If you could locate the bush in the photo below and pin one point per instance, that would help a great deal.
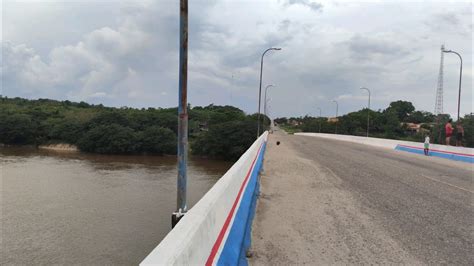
(227, 140)
(111, 138)
(16, 129)
(158, 140)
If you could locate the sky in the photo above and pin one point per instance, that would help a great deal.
(125, 53)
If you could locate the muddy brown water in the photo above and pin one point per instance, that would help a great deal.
(76, 208)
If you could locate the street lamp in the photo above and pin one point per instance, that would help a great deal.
(319, 119)
(368, 111)
(260, 88)
(337, 109)
(265, 103)
(265, 106)
(460, 78)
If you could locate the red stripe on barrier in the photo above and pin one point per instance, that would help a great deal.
(456, 153)
(220, 237)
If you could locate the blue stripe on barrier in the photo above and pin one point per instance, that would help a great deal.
(450, 156)
(238, 240)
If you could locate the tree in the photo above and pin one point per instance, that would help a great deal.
(391, 123)
(401, 108)
(227, 140)
(420, 117)
(468, 125)
(158, 140)
(16, 129)
(112, 138)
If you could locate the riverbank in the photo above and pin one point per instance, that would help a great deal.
(60, 147)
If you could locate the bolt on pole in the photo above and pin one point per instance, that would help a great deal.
(181, 206)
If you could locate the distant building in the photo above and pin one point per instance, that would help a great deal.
(294, 122)
(333, 119)
(413, 128)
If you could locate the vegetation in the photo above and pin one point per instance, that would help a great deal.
(392, 123)
(215, 131)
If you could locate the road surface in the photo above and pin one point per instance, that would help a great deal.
(331, 202)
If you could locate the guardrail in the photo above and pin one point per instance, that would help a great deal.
(217, 229)
(442, 151)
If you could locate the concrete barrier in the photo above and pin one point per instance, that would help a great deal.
(448, 152)
(217, 229)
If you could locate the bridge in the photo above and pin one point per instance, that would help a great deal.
(329, 199)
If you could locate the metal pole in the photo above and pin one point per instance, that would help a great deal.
(337, 109)
(181, 206)
(265, 106)
(260, 88)
(368, 111)
(265, 102)
(460, 79)
(319, 120)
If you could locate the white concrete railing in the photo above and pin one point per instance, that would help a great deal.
(455, 153)
(217, 229)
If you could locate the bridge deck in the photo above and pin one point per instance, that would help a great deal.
(325, 201)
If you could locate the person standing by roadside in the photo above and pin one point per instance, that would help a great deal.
(449, 131)
(459, 133)
(427, 144)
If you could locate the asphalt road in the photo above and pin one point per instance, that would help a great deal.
(332, 202)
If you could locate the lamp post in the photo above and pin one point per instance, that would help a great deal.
(265, 106)
(265, 102)
(368, 111)
(260, 87)
(319, 119)
(337, 109)
(460, 78)
(181, 206)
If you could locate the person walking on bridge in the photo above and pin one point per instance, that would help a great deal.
(449, 131)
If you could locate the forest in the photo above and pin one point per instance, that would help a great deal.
(222, 132)
(394, 122)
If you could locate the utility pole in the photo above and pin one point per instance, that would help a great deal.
(181, 206)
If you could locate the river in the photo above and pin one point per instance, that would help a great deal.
(76, 208)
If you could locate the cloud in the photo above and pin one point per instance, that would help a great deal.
(367, 48)
(312, 5)
(126, 53)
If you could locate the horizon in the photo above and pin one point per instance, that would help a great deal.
(202, 106)
(126, 54)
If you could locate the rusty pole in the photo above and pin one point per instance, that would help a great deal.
(181, 206)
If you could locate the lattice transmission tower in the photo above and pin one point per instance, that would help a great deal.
(439, 89)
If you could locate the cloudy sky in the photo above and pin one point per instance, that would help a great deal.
(125, 53)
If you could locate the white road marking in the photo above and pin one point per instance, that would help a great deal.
(439, 181)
